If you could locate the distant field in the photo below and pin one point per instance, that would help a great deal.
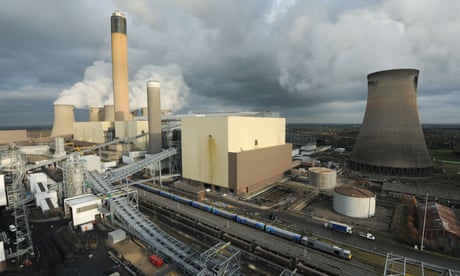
(443, 155)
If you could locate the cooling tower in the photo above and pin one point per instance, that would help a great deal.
(95, 114)
(391, 141)
(63, 120)
(154, 116)
(109, 114)
(120, 66)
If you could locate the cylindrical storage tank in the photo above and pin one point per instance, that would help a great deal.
(354, 202)
(95, 114)
(59, 149)
(154, 116)
(323, 178)
(109, 113)
(63, 120)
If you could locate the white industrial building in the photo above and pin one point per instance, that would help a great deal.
(354, 202)
(82, 209)
(44, 198)
(240, 154)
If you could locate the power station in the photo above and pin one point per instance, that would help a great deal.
(391, 141)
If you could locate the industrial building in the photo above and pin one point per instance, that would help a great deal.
(442, 227)
(354, 202)
(391, 141)
(234, 153)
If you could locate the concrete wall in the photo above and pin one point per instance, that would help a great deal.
(249, 133)
(127, 129)
(91, 131)
(204, 150)
(252, 170)
(9, 136)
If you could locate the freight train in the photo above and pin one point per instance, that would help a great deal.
(289, 235)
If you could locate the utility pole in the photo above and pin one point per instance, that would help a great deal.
(424, 222)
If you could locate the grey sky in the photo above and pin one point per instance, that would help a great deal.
(307, 60)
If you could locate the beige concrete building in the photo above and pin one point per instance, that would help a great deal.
(9, 136)
(94, 132)
(128, 129)
(237, 153)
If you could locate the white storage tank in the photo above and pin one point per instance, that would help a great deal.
(323, 178)
(354, 202)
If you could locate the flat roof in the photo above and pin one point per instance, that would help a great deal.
(354, 192)
(81, 199)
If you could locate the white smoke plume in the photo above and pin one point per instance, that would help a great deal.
(174, 92)
(95, 90)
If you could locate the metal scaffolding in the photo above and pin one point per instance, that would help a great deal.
(17, 200)
(396, 265)
(219, 260)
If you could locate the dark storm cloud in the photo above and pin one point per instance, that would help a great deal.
(307, 60)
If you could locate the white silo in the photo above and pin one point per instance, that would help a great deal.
(354, 202)
(63, 120)
(59, 149)
(74, 177)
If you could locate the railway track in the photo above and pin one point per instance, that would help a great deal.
(288, 250)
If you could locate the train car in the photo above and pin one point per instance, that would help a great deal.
(222, 213)
(147, 188)
(183, 200)
(202, 206)
(167, 195)
(328, 248)
(250, 222)
(283, 233)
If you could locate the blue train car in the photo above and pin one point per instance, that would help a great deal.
(253, 223)
(167, 195)
(202, 206)
(283, 233)
(222, 213)
(183, 200)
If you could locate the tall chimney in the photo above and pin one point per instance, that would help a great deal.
(95, 114)
(120, 66)
(63, 120)
(109, 114)
(154, 116)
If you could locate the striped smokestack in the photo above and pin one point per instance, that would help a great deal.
(154, 116)
(120, 66)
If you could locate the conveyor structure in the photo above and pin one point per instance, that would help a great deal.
(137, 224)
(132, 220)
(121, 173)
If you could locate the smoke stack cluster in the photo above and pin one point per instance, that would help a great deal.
(391, 141)
(120, 66)
(63, 120)
(154, 116)
(95, 114)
